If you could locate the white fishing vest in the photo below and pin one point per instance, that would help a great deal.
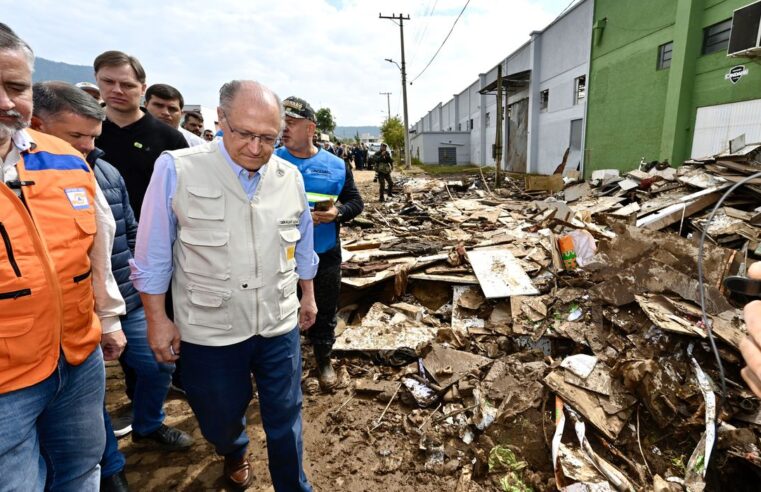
(234, 259)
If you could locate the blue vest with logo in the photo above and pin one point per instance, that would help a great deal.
(324, 176)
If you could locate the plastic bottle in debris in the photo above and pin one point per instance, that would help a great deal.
(567, 252)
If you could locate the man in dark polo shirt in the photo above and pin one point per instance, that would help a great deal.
(132, 139)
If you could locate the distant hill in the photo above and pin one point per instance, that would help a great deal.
(350, 131)
(52, 70)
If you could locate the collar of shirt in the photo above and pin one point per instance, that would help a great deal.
(248, 180)
(239, 170)
(22, 142)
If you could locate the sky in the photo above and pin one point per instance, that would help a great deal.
(329, 52)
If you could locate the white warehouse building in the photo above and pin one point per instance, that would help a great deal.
(544, 87)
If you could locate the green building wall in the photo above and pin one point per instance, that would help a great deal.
(634, 109)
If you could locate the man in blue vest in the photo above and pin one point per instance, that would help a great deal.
(327, 180)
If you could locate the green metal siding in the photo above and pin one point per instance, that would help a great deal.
(635, 110)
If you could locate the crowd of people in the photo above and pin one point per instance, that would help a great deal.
(131, 233)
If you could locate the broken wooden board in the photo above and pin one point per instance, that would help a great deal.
(450, 279)
(382, 331)
(536, 182)
(395, 266)
(628, 210)
(500, 274)
(447, 365)
(576, 192)
(598, 205)
(674, 213)
(608, 414)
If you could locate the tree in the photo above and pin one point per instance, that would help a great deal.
(357, 140)
(325, 121)
(392, 131)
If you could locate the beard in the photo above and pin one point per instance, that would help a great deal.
(7, 130)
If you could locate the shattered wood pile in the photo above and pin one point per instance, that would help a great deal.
(517, 365)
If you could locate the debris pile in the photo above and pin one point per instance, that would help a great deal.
(539, 341)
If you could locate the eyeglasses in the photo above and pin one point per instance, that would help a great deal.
(250, 137)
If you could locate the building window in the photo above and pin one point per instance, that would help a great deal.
(716, 37)
(488, 120)
(470, 124)
(664, 55)
(544, 100)
(580, 89)
(459, 127)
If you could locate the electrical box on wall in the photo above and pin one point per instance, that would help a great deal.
(745, 38)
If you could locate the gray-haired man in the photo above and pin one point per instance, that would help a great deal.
(229, 224)
(65, 111)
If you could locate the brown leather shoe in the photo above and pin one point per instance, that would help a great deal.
(238, 472)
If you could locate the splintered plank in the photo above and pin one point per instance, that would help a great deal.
(500, 274)
(676, 212)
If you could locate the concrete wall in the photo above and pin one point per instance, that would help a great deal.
(556, 57)
(519, 60)
(563, 57)
(636, 110)
(426, 146)
(448, 121)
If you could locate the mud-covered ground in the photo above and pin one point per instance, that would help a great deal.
(340, 450)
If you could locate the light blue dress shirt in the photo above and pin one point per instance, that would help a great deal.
(152, 266)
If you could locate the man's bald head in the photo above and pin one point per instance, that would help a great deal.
(251, 117)
(250, 92)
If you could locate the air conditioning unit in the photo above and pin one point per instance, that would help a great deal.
(745, 38)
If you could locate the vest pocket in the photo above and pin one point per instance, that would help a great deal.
(289, 301)
(87, 224)
(15, 348)
(208, 307)
(204, 252)
(16, 327)
(205, 203)
(288, 239)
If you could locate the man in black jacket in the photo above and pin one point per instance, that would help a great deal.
(132, 139)
(62, 110)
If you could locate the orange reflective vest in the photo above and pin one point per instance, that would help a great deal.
(46, 295)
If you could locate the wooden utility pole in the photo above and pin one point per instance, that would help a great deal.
(388, 102)
(498, 139)
(401, 18)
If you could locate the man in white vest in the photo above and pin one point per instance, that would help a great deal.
(229, 224)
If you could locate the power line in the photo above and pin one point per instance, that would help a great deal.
(421, 34)
(442, 43)
(566, 8)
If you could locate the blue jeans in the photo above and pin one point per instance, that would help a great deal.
(51, 433)
(151, 387)
(218, 385)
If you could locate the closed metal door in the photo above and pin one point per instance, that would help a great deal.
(447, 155)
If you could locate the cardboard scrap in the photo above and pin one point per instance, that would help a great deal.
(609, 414)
